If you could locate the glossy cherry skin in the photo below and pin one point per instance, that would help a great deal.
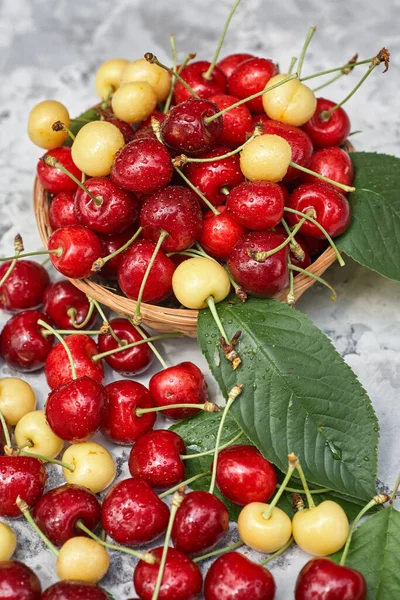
(250, 77)
(322, 579)
(74, 590)
(300, 145)
(74, 410)
(256, 204)
(117, 209)
(59, 509)
(229, 63)
(185, 129)
(62, 296)
(328, 206)
(111, 243)
(331, 162)
(181, 384)
(22, 345)
(200, 522)
(120, 423)
(220, 234)
(155, 457)
(235, 577)
(58, 369)
(262, 279)
(133, 514)
(182, 578)
(237, 121)
(52, 179)
(327, 132)
(143, 166)
(193, 74)
(133, 267)
(62, 211)
(133, 361)
(21, 476)
(18, 582)
(210, 177)
(24, 287)
(125, 128)
(244, 475)
(80, 247)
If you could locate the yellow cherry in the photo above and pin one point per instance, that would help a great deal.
(17, 398)
(82, 559)
(108, 76)
(40, 121)
(95, 146)
(8, 542)
(266, 158)
(94, 466)
(142, 70)
(292, 102)
(261, 534)
(33, 429)
(134, 101)
(321, 530)
(196, 279)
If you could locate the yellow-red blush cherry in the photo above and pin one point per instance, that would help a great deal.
(134, 101)
(262, 534)
(266, 158)
(108, 76)
(321, 530)
(82, 559)
(95, 146)
(8, 542)
(40, 122)
(33, 429)
(17, 398)
(196, 279)
(142, 70)
(93, 466)
(292, 102)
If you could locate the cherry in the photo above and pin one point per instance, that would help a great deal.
(262, 279)
(256, 204)
(300, 145)
(62, 210)
(314, 245)
(24, 287)
(193, 74)
(22, 476)
(229, 63)
(235, 577)
(120, 423)
(112, 243)
(186, 129)
(237, 122)
(331, 162)
(220, 233)
(244, 475)
(74, 590)
(58, 511)
(18, 582)
(322, 579)
(250, 77)
(54, 180)
(58, 368)
(77, 249)
(132, 361)
(125, 128)
(182, 383)
(133, 514)
(325, 204)
(332, 130)
(65, 305)
(155, 457)
(182, 578)
(22, 343)
(143, 166)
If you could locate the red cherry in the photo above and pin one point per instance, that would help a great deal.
(155, 457)
(133, 514)
(262, 279)
(235, 577)
(79, 247)
(125, 128)
(315, 246)
(186, 130)
(250, 77)
(300, 145)
(237, 121)
(143, 166)
(52, 179)
(193, 74)
(24, 287)
(21, 476)
(62, 210)
(325, 204)
(120, 423)
(60, 298)
(322, 579)
(220, 233)
(112, 243)
(133, 361)
(58, 511)
(183, 383)
(22, 344)
(182, 578)
(200, 522)
(331, 131)
(58, 369)
(331, 162)
(18, 582)
(133, 267)
(230, 62)
(256, 204)
(74, 590)
(244, 475)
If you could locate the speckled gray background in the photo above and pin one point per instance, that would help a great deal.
(52, 49)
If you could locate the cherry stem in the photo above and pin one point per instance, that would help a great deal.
(27, 444)
(5, 430)
(50, 161)
(54, 461)
(75, 332)
(310, 501)
(296, 491)
(233, 394)
(328, 71)
(335, 78)
(106, 322)
(278, 552)
(292, 63)
(100, 262)
(219, 551)
(60, 126)
(208, 74)
(188, 58)
(18, 248)
(161, 336)
(308, 39)
(293, 460)
(197, 191)
(24, 508)
(71, 312)
(316, 277)
(294, 245)
(63, 343)
(57, 251)
(207, 407)
(45, 261)
(213, 309)
(208, 452)
(174, 68)
(262, 256)
(321, 228)
(342, 186)
(291, 297)
(151, 346)
(154, 61)
(182, 484)
(186, 159)
(106, 102)
(395, 490)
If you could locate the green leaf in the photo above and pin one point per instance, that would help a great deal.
(298, 394)
(374, 551)
(89, 115)
(373, 238)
